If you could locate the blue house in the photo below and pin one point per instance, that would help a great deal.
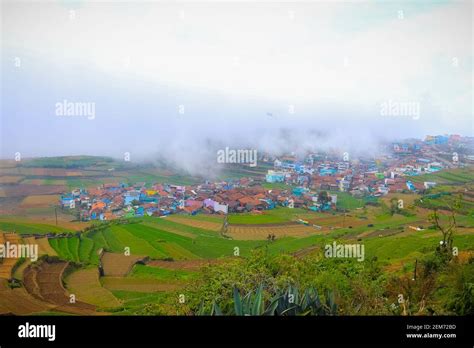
(410, 186)
(273, 176)
(298, 191)
(327, 171)
(66, 200)
(140, 211)
(441, 139)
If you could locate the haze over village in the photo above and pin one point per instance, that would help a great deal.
(221, 158)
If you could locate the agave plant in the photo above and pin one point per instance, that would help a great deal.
(252, 304)
(288, 303)
(291, 303)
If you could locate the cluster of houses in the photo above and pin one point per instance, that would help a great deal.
(303, 179)
(368, 177)
(359, 179)
(115, 200)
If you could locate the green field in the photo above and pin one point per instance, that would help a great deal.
(21, 227)
(346, 201)
(450, 177)
(273, 216)
(147, 272)
(385, 235)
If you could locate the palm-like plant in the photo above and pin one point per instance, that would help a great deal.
(289, 303)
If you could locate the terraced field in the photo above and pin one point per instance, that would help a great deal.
(44, 248)
(139, 285)
(179, 246)
(261, 232)
(7, 264)
(20, 226)
(44, 282)
(205, 225)
(450, 177)
(86, 286)
(19, 302)
(118, 265)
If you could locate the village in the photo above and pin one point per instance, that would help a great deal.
(111, 201)
(312, 183)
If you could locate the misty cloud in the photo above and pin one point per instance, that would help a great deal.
(277, 84)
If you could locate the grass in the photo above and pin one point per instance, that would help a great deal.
(134, 301)
(348, 202)
(277, 185)
(66, 161)
(30, 228)
(400, 247)
(148, 272)
(449, 177)
(273, 216)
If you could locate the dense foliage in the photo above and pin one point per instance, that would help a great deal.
(439, 287)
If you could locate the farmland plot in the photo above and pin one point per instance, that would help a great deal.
(262, 232)
(118, 265)
(19, 302)
(86, 286)
(44, 282)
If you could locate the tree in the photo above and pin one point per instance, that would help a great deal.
(447, 229)
(394, 209)
(323, 198)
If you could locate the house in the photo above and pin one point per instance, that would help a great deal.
(131, 196)
(224, 208)
(68, 202)
(275, 176)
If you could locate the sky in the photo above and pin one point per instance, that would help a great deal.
(180, 79)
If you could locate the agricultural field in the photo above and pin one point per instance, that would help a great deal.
(170, 255)
(275, 216)
(85, 284)
(39, 201)
(448, 177)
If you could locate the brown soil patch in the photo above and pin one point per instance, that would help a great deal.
(44, 282)
(19, 302)
(85, 284)
(338, 221)
(27, 190)
(35, 201)
(205, 225)
(118, 265)
(7, 264)
(10, 179)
